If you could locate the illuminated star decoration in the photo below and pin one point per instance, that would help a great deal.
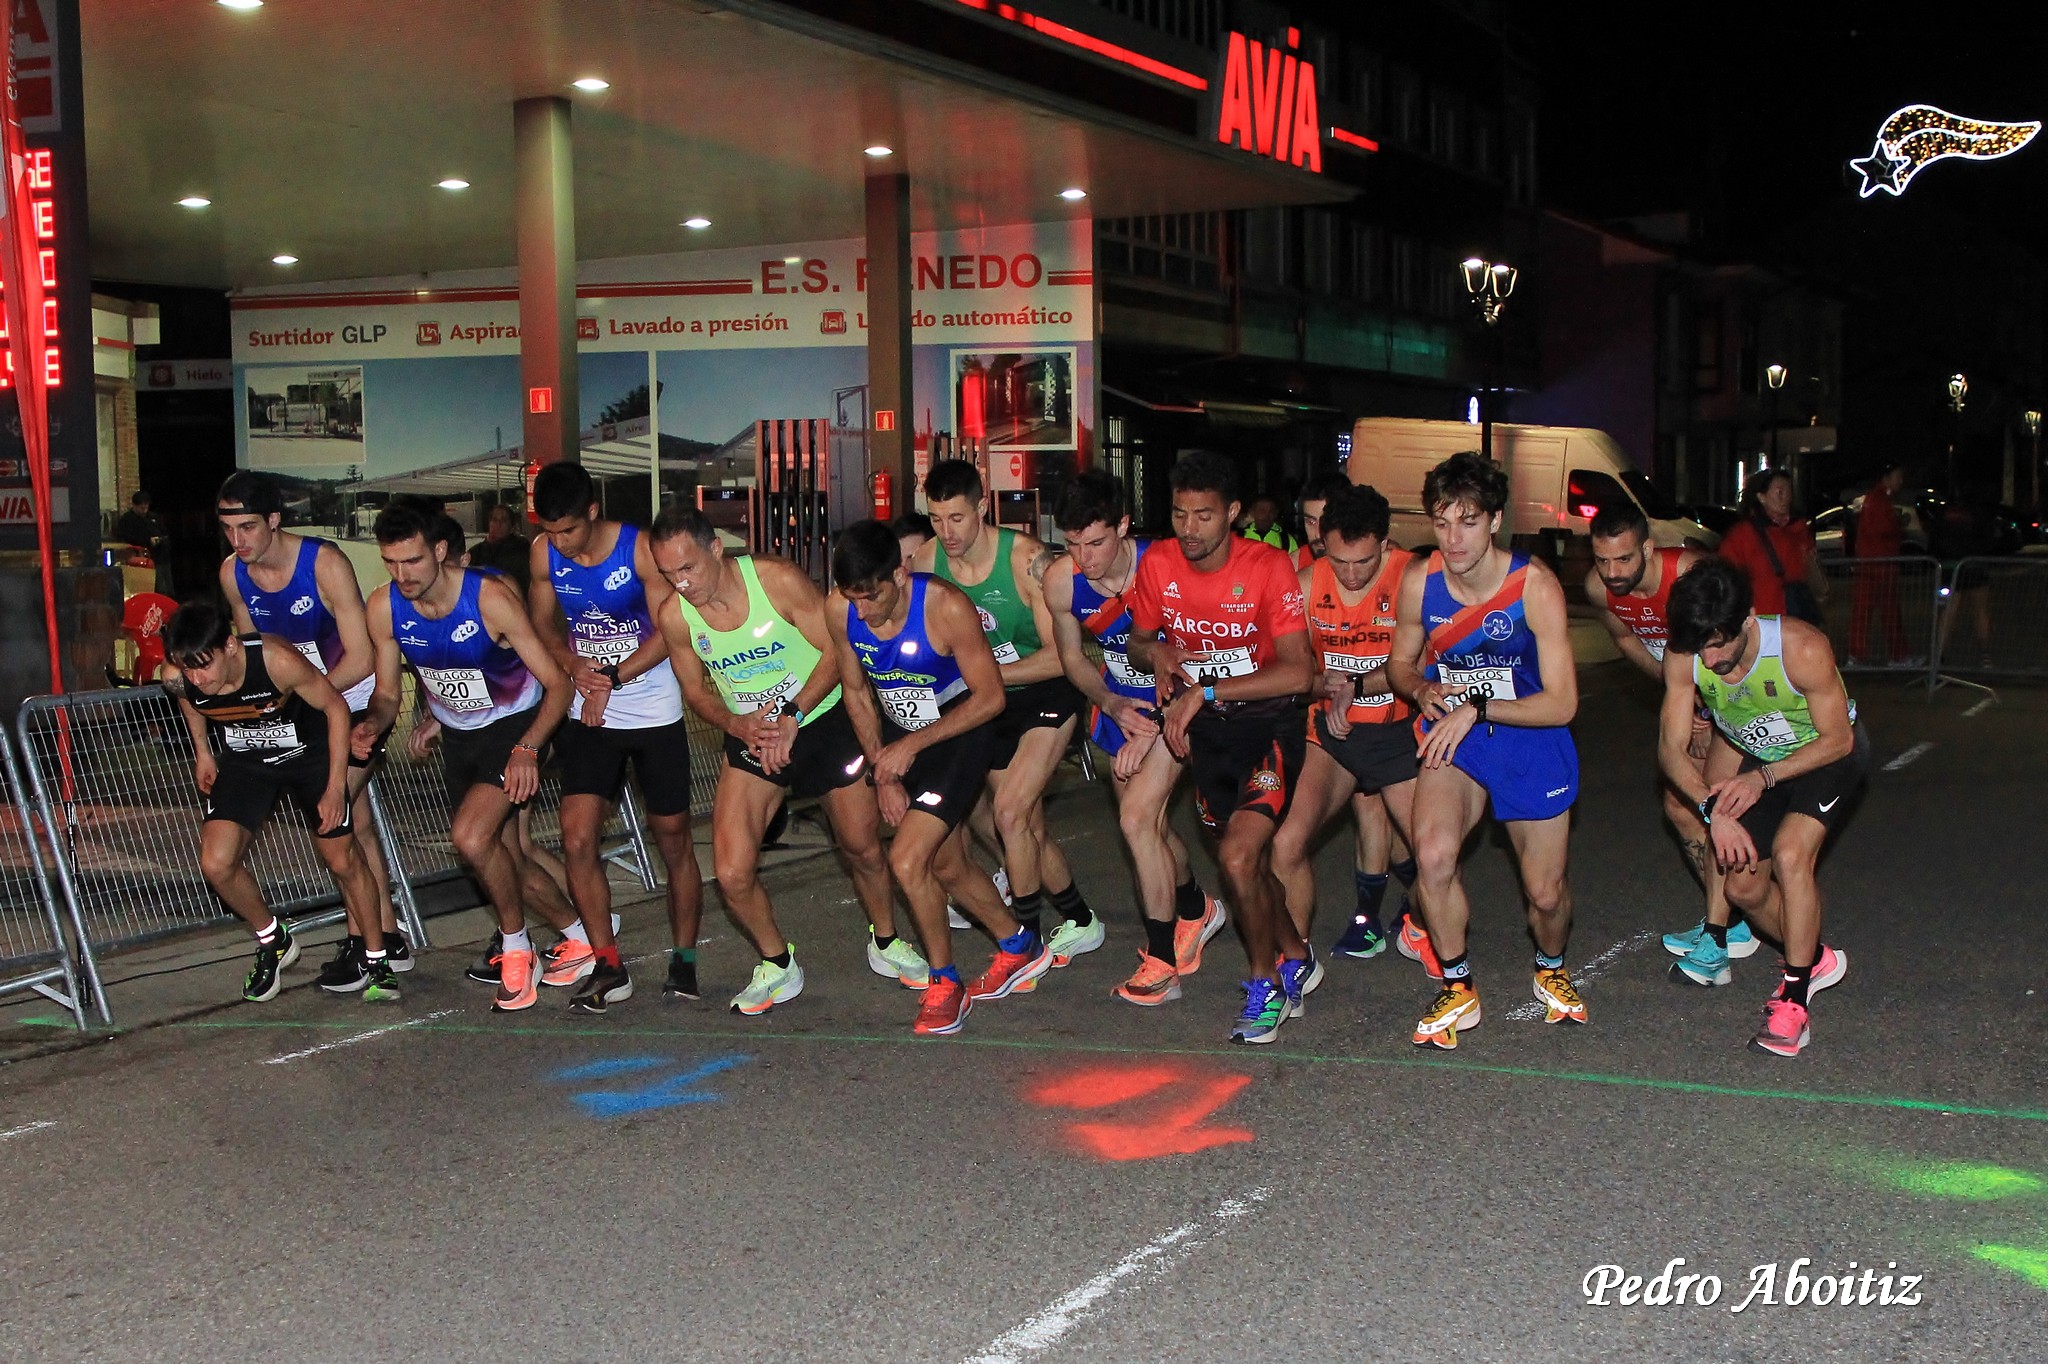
(1920, 134)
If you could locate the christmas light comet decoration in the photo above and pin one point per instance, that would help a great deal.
(1920, 134)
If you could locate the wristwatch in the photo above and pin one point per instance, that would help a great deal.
(797, 715)
(1209, 692)
(611, 672)
(1479, 712)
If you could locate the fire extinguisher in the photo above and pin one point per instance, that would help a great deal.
(882, 492)
(532, 472)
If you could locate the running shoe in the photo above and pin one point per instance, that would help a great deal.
(771, 985)
(1070, 939)
(1363, 938)
(397, 950)
(604, 985)
(1012, 973)
(347, 971)
(1153, 983)
(955, 919)
(1265, 1009)
(944, 1008)
(1741, 941)
(271, 961)
(380, 984)
(1299, 978)
(1190, 936)
(1414, 944)
(518, 982)
(1001, 877)
(1784, 1031)
(1827, 971)
(567, 962)
(1558, 996)
(682, 979)
(1454, 1010)
(1706, 964)
(899, 961)
(484, 970)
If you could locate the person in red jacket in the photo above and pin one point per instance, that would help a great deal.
(1879, 535)
(1774, 549)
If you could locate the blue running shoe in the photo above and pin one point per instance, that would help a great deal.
(1265, 1009)
(1364, 938)
(1299, 978)
(1741, 942)
(1706, 964)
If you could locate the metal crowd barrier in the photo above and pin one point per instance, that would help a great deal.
(1991, 615)
(33, 952)
(1882, 614)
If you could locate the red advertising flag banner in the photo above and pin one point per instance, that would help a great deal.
(25, 269)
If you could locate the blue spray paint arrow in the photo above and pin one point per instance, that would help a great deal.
(669, 1093)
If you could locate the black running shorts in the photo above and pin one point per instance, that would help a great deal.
(1038, 705)
(1246, 761)
(947, 778)
(477, 757)
(1376, 756)
(245, 793)
(594, 762)
(825, 757)
(1822, 794)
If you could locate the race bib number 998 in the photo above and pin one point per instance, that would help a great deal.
(458, 689)
(1495, 684)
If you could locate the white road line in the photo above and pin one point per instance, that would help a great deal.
(354, 1038)
(1581, 974)
(1905, 759)
(1043, 1330)
(1980, 707)
(24, 1130)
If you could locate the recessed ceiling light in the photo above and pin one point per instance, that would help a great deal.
(1073, 193)
(879, 150)
(194, 201)
(697, 223)
(286, 259)
(452, 183)
(241, 4)
(792, 260)
(593, 84)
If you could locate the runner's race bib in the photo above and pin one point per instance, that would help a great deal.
(609, 650)
(1655, 646)
(311, 649)
(910, 707)
(1495, 684)
(459, 689)
(1767, 732)
(775, 698)
(1006, 652)
(262, 736)
(1208, 669)
(1119, 665)
(1358, 667)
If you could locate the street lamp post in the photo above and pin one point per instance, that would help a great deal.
(1488, 284)
(1958, 391)
(2032, 417)
(1774, 377)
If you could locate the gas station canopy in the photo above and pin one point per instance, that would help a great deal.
(321, 131)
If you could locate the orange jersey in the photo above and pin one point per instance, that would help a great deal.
(1357, 639)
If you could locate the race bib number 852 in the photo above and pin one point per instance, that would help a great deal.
(911, 707)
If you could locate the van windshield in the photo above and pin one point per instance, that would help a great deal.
(1655, 503)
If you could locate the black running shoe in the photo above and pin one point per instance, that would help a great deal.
(380, 983)
(346, 973)
(397, 950)
(265, 977)
(604, 985)
(682, 978)
(485, 968)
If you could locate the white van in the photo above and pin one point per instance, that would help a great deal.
(1557, 476)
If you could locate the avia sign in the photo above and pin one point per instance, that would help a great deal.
(1266, 102)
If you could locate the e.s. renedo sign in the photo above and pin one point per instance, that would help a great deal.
(1031, 283)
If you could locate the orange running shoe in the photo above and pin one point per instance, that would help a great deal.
(1190, 936)
(944, 1009)
(518, 982)
(1414, 944)
(1152, 984)
(567, 962)
(1454, 1010)
(1012, 973)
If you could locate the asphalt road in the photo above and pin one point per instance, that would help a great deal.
(1075, 1179)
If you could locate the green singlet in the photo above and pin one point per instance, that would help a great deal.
(1005, 615)
(1764, 715)
(764, 663)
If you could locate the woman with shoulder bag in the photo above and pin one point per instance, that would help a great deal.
(1775, 551)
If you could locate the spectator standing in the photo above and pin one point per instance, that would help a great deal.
(140, 528)
(1879, 535)
(1264, 525)
(1774, 549)
(504, 549)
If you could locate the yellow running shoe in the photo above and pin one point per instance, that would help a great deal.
(1558, 996)
(1454, 1010)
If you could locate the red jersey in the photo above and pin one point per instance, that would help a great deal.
(1357, 639)
(1231, 618)
(1646, 616)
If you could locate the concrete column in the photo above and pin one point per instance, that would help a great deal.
(889, 266)
(544, 204)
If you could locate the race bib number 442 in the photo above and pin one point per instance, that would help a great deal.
(458, 689)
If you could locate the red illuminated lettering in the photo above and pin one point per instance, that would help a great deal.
(39, 176)
(1308, 128)
(1234, 112)
(48, 256)
(1266, 102)
(44, 214)
(960, 272)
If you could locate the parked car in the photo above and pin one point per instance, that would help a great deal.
(1834, 530)
(1713, 516)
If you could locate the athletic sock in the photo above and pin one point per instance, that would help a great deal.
(782, 958)
(1188, 900)
(269, 935)
(578, 932)
(1719, 933)
(1546, 962)
(1458, 969)
(1371, 886)
(1070, 904)
(1023, 940)
(951, 973)
(516, 942)
(1797, 979)
(686, 955)
(615, 924)
(884, 941)
(374, 957)
(1027, 908)
(1159, 940)
(1404, 872)
(608, 956)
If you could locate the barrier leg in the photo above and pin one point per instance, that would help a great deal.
(401, 884)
